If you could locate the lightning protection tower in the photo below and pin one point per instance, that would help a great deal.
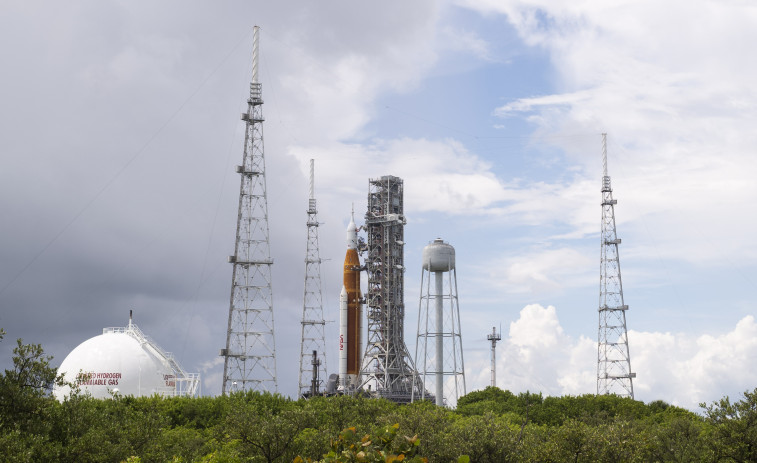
(313, 340)
(613, 358)
(439, 339)
(387, 368)
(250, 353)
(493, 338)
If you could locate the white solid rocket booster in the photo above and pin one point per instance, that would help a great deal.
(343, 338)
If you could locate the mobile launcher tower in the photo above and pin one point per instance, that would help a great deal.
(388, 370)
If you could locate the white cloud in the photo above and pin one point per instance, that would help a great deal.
(679, 368)
(152, 59)
(438, 176)
(691, 369)
(538, 271)
(672, 84)
(468, 41)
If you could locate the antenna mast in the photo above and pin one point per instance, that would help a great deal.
(613, 358)
(493, 338)
(313, 339)
(250, 353)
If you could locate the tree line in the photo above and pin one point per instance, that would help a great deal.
(489, 425)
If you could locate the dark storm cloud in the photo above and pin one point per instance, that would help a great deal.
(117, 190)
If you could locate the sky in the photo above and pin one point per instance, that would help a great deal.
(120, 133)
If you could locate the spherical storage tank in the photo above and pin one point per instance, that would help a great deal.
(438, 256)
(123, 361)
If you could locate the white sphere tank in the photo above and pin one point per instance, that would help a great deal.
(117, 361)
(438, 256)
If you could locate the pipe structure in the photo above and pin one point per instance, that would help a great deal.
(439, 305)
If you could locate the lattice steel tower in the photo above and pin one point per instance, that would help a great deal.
(250, 353)
(613, 358)
(313, 343)
(388, 370)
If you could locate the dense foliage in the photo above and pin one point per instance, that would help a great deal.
(488, 426)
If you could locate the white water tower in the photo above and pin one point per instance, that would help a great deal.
(439, 346)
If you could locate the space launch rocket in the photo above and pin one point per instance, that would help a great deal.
(350, 311)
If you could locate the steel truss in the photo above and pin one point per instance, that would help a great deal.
(613, 358)
(250, 353)
(313, 342)
(388, 370)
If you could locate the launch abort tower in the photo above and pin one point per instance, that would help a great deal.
(388, 370)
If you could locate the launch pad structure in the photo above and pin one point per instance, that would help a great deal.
(388, 369)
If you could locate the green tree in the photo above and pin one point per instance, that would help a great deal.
(265, 425)
(26, 405)
(95, 430)
(383, 446)
(486, 438)
(679, 438)
(25, 388)
(433, 425)
(734, 436)
(491, 399)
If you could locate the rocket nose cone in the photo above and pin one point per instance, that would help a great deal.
(344, 292)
